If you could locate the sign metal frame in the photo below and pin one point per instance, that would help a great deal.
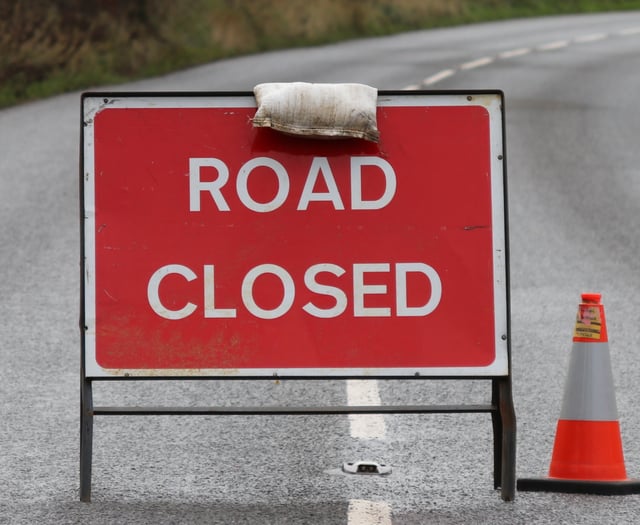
(498, 371)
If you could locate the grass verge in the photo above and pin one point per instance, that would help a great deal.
(52, 46)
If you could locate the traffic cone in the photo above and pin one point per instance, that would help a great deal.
(587, 454)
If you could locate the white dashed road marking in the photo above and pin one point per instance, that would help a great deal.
(438, 77)
(518, 52)
(590, 38)
(630, 31)
(362, 392)
(363, 512)
(515, 52)
(552, 46)
(477, 63)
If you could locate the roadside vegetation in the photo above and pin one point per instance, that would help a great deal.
(52, 46)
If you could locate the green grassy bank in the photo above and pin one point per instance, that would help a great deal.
(52, 46)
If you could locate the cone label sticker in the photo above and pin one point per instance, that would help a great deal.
(588, 322)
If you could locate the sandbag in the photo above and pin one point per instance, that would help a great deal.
(318, 110)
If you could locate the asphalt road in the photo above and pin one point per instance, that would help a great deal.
(571, 86)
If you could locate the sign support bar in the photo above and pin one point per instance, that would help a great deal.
(501, 410)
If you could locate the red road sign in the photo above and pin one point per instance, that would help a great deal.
(215, 248)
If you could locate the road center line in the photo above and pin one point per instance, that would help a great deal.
(364, 392)
(477, 63)
(515, 52)
(512, 53)
(558, 44)
(446, 73)
(629, 31)
(590, 38)
(363, 512)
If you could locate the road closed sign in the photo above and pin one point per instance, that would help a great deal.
(214, 248)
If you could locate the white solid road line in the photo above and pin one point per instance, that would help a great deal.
(363, 512)
(364, 392)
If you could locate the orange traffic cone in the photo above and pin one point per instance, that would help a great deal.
(587, 454)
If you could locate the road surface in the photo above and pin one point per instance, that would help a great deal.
(573, 122)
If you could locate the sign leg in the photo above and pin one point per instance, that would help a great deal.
(496, 420)
(86, 439)
(504, 438)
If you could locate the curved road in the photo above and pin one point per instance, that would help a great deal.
(573, 122)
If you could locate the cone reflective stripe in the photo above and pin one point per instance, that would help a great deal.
(587, 453)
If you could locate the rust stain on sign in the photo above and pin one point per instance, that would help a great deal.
(475, 227)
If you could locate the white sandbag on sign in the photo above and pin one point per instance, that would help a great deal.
(318, 110)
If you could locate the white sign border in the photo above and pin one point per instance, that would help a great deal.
(93, 103)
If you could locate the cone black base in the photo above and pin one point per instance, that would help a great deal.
(571, 486)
